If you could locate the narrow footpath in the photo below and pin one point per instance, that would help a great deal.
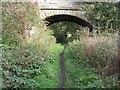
(62, 70)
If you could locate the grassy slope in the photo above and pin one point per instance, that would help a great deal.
(50, 74)
(78, 76)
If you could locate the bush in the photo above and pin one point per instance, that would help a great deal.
(49, 77)
(78, 73)
(76, 51)
(23, 59)
(104, 53)
(96, 59)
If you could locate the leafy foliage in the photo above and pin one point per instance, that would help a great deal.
(79, 76)
(23, 58)
(61, 31)
(49, 77)
(104, 16)
(104, 52)
(33, 62)
(96, 62)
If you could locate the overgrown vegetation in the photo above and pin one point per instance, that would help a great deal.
(50, 72)
(32, 60)
(66, 31)
(92, 66)
(104, 16)
(23, 59)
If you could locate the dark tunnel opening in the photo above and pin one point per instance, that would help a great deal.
(67, 18)
(62, 17)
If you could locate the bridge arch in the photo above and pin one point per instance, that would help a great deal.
(63, 17)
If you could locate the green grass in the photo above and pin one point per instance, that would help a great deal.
(50, 74)
(79, 73)
(79, 76)
(82, 70)
(0, 78)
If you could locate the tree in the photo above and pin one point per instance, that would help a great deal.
(61, 31)
(104, 15)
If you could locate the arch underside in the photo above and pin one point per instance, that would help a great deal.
(69, 18)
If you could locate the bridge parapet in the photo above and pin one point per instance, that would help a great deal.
(56, 7)
(62, 4)
(47, 13)
(64, 10)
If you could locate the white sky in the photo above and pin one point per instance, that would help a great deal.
(47, 1)
(71, 1)
(43, 1)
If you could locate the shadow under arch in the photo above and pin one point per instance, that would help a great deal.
(63, 17)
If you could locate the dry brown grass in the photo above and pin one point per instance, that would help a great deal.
(91, 44)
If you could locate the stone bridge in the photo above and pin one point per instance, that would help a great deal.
(64, 10)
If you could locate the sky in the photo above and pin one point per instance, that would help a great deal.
(71, 1)
(47, 1)
(42, 1)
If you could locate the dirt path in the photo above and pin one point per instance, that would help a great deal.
(62, 70)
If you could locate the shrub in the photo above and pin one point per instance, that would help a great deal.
(76, 51)
(104, 53)
(23, 59)
(99, 58)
